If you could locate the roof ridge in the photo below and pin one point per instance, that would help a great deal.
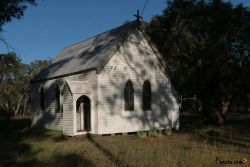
(126, 24)
(91, 53)
(113, 50)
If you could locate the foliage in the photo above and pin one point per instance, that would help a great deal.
(206, 46)
(10, 9)
(150, 133)
(141, 134)
(167, 132)
(15, 80)
(154, 133)
(14, 75)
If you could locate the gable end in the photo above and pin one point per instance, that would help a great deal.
(112, 51)
(138, 26)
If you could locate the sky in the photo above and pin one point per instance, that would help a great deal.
(53, 25)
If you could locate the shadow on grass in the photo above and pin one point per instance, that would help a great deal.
(58, 160)
(223, 140)
(60, 138)
(16, 151)
(234, 131)
(9, 152)
(106, 152)
(12, 143)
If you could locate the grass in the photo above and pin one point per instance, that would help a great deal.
(194, 145)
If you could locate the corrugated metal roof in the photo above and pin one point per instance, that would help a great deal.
(87, 54)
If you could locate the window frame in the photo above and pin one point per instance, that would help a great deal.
(146, 96)
(129, 96)
(42, 96)
(58, 108)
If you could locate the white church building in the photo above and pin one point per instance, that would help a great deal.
(115, 82)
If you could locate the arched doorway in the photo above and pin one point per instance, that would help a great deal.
(83, 109)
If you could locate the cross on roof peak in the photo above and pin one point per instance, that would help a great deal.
(138, 17)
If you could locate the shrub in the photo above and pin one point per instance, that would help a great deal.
(167, 132)
(153, 133)
(141, 134)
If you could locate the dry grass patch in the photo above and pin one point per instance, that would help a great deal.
(197, 146)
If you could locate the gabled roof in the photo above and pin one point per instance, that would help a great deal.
(91, 54)
(76, 87)
(88, 54)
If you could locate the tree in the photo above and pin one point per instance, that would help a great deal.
(15, 80)
(206, 46)
(8, 62)
(37, 66)
(8, 68)
(12, 9)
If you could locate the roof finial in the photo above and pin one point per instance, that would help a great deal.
(138, 17)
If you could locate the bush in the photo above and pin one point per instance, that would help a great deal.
(141, 134)
(167, 132)
(153, 133)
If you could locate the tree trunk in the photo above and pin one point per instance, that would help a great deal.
(25, 105)
(215, 115)
(20, 99)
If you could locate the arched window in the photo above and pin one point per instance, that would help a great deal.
(129, 96)
(58, 99)
(146, 95)
(42, 98)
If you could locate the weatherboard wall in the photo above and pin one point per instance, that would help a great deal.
(68, 114)
(136, 61)
(49, 118)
